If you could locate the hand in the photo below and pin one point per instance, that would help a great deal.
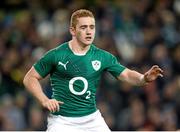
(153, 73)
(52, 105)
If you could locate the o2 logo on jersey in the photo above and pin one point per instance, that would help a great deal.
(71, 88)
(96, 65)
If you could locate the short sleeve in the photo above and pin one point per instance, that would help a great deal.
(113, 66)
(45, 64)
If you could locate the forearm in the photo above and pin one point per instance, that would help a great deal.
(132, 77)
(136, 78)
(33, 86)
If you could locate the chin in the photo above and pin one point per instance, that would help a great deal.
(87, 43)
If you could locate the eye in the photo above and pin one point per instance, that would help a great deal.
(92, 26)
(83, 27)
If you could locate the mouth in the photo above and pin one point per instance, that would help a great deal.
(88, 38)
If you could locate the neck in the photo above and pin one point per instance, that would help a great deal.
(78, 48)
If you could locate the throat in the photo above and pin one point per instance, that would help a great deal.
(78, 49)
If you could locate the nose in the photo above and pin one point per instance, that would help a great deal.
(88, 31)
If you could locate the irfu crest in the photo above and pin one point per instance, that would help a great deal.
(96, 65)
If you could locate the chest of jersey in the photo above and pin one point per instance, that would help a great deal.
(71, 66)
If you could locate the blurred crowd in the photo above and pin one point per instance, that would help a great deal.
(140, 33)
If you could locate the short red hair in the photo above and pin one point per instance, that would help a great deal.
(80, 13)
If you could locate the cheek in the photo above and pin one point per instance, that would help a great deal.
(93, 31)
(79, 34)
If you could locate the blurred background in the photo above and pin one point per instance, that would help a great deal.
(140, 33)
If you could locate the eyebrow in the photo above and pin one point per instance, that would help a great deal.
(87, 25)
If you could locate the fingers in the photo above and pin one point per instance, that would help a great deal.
(153, 73)
(157, 70)
(53, 105)
(154, 66)
(161, 75)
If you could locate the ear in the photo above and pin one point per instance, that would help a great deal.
(72, 31)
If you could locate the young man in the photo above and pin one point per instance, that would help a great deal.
(75, 68)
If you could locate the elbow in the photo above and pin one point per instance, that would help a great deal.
(25, 80)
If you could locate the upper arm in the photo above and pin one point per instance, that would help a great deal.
(113, 66)
(45, 65)
(32, 73)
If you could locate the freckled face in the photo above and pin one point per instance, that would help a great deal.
(85, 30)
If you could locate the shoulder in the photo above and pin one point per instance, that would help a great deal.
(53, 53)
(62, 46)
(101, 51)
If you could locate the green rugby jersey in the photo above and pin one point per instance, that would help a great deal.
(75, 78)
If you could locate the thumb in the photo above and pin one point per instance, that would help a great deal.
(60, 102)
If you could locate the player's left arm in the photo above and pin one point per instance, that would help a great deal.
(138, 79)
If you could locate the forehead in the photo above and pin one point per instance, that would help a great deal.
(86, 21)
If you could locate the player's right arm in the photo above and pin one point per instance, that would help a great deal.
(32, 84)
